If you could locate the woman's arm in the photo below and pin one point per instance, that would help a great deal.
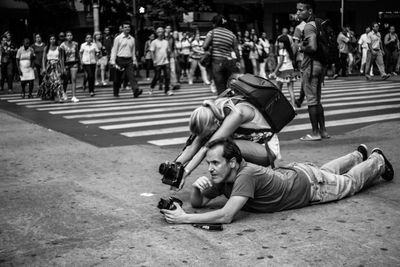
(190, 151)
(279, 65)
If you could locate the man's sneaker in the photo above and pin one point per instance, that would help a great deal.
(389, 172)
(92, 94)
(335, 76)
(170, 92)
(363, 149)
(386, 76)
(74, 99)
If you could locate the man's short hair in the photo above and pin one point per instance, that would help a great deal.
(230, 149)
(310, 4)
(126, 23)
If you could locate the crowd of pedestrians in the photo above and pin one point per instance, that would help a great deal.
(175, 57)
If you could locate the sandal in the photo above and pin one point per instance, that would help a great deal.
(325, 135)
(309, 137)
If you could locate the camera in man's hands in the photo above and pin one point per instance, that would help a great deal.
(172, 173)
(168, 204)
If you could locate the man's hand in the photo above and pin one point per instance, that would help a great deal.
(174, 216)
(202, 183)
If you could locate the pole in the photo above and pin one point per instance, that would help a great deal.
(342, 13)
(96, 19)
(134, 18)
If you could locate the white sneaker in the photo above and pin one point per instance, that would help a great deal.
(64, 96)
(105, 83)
(190, 82)
(128, 88)
(170, 92)
(97, 84)
(213, 88)
(74, 99)
(151, 91)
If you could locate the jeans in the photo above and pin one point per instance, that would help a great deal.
(126, 66)
(378, 59)
(342, 64)
(89, 70)
(222, 69)
(342, 177)
(157, 76)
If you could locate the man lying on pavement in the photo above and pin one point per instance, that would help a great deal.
(262, 189)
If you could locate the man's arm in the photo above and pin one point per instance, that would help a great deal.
(236, 48)
(207, 42)
(134, 52)
(223, 215)
(310, 39)
(114, 50)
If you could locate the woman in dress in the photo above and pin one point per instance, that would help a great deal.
(25, 58)
(147, 55)
(51, 88)
(71, 63)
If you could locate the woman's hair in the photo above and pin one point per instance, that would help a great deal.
(204, 119)
(95, 34)
(219, 21)
(286, 45)
(48, 43)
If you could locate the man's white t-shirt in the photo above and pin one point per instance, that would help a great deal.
(160, 49)
(374, 39)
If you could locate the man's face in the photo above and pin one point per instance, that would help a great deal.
(160, 33)
(218, 167)
(367, 30)
(126, 28)
(106, 31)
(376, 27)
(392, 29)
(168, 30)
(302, 12)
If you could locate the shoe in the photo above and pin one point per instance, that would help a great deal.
(137, 93)
(147, 79)
(116, 95)
(30, 96)
(386, 76)
(190, 82)
(363, 149)
(97, 84)
(151, 91)
(389, 172)
(213, 89)
(368, 77)
(160, 88)
(64, 96)
(128, 88)
(74, 99)
(207, 83)
(298, 103)
(104, 83)
(176, 87)
(310, 137)
(10, 91)
(92, 94)
(170, 92)
(394, 73)
(335, 76)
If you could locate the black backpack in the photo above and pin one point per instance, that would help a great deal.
(263, 95)
(327, 50)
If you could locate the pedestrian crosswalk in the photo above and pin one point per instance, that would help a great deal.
(163, 120)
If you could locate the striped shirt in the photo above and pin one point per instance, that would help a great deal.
(222, 42)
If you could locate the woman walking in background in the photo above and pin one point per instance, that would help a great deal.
(102, 59)
(70, 52)
(38, 49)
(25, 62)
(254, 54)
(147, 56)
(88, 53)
(53, 63)
(197, 51)
(284, 71)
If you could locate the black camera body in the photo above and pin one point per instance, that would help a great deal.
(168, 204)
(172, 173)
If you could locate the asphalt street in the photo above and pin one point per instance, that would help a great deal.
(69, 201)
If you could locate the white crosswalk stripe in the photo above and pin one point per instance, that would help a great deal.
(163, 120)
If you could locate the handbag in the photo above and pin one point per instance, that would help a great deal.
(206, 58)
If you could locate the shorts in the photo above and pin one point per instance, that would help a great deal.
(286, 76)
(312, 83)
(102, 62)
(71, 65)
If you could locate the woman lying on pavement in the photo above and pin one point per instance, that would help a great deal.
(221, 118)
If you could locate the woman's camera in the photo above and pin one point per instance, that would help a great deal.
(172, 173)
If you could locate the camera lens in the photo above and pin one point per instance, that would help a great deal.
(163, 167)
